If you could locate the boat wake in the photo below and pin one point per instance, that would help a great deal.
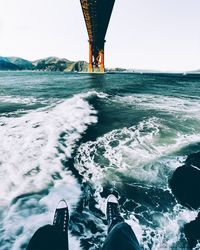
(134, 162)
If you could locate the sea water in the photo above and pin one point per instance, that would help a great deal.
(81, 137)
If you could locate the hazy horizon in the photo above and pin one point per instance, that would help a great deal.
(142, 35)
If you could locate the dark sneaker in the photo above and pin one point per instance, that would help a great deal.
(113, 212)
(61, 216)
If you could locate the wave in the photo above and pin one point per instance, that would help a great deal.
(189, 107)
(137, 161)
(20, 99)
(129, 149)
(34, 175)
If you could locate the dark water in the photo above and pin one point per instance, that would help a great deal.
(80, 137)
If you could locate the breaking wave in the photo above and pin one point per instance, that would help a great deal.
(134, 161)
(137, 162)
(34, 175)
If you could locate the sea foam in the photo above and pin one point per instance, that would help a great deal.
(33, 173)
(143, 156)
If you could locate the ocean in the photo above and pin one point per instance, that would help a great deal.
(81, 137)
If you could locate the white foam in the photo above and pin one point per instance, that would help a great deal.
(31, 142)
(139, 152)
(32, 149)
(168, 232)
(25, 100)
(181, 107)
(132, 151)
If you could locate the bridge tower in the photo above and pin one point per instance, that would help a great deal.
(97, 15)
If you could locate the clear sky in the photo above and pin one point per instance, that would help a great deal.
(143, 34)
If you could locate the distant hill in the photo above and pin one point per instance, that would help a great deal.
(45, 64)
(64, 65)
(21, 63)
(80, 66)
(51, 64)
(6, 65)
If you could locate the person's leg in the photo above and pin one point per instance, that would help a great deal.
(48, 238)
(53, 237)
(121, 237)
(120, 234)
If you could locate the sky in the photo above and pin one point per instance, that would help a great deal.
(142, 34)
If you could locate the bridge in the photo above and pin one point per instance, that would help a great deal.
(97, 15)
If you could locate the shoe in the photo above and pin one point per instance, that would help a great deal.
(113, 212)
(61, 216)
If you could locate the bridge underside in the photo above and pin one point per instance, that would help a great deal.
(97, 15)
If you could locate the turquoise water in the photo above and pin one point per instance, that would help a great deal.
(80, 137)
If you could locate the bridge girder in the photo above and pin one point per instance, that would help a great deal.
(97, 15)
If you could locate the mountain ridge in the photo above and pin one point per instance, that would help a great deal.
(44, 64)
(64, 65)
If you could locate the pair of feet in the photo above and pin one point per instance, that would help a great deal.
(61, 217)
